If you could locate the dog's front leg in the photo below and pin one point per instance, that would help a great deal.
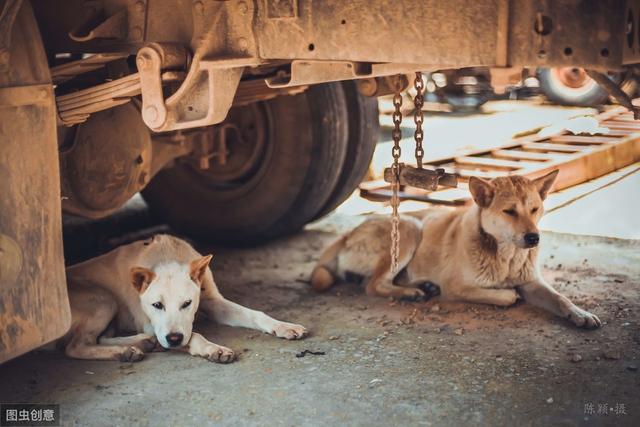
(232, 314)
(144, 342)
(475, 294)
(541, 294)
(200, 346)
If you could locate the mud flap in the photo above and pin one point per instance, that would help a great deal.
(34, 307)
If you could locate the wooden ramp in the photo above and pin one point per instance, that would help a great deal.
(580, 158)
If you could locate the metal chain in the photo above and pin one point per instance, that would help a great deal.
(396, 135)
(418, 117)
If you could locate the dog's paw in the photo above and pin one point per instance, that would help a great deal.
(148, 345)
(290, 331)
(507, 297)
(583, 319)
(131, 354)
(413, 294)
(430, 289)
(217, 353)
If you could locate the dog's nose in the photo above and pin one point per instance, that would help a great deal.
(174, 339)
(531, 239)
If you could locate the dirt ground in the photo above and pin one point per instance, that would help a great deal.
(383, 362)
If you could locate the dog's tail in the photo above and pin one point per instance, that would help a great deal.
(323, 275)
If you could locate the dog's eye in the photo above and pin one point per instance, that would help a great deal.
(185, 304)
(158, 305)
(534, 210)
(510, 212)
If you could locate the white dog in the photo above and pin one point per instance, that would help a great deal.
(153, 289)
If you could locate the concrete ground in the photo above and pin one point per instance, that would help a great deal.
(384, 362)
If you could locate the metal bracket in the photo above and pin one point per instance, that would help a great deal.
(127, 23)
(426, 179)
(304, 72)
(76, 107)
(203, 99)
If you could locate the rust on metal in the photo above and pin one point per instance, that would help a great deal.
(34, 307)
(422, 178)
(69, 70)
(7, 19)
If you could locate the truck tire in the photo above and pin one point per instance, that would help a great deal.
(364, 132)
(570, 86)
(289, 152)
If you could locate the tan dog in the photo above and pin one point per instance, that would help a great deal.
(485, 253)
(153, 289)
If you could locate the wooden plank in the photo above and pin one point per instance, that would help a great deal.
(525, 155)
(579, 160)
(560, 148)
(499, 164)
(465, 174)
(574, 169)
(624, 118)
(383, 195)
(517, 142)
(584, 140)
(593, 164)
(629, 127)
(620, 132)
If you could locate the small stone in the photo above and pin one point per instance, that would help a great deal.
(89, 372)
(334, 337)
(612, 354)
(374, 381)
(435, 308)
(576, 358)
(458, 331)
(550, 400)
(632, 368)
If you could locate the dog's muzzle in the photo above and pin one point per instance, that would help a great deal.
(174, 339)
(531, 239)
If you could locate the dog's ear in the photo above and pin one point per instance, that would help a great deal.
(141, 278)
(544, 183)
(198, 268)
(482, 191)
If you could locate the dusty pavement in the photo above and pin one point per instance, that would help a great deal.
(384, 363)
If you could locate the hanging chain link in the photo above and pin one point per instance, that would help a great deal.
(418, 117)
(396, 135)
